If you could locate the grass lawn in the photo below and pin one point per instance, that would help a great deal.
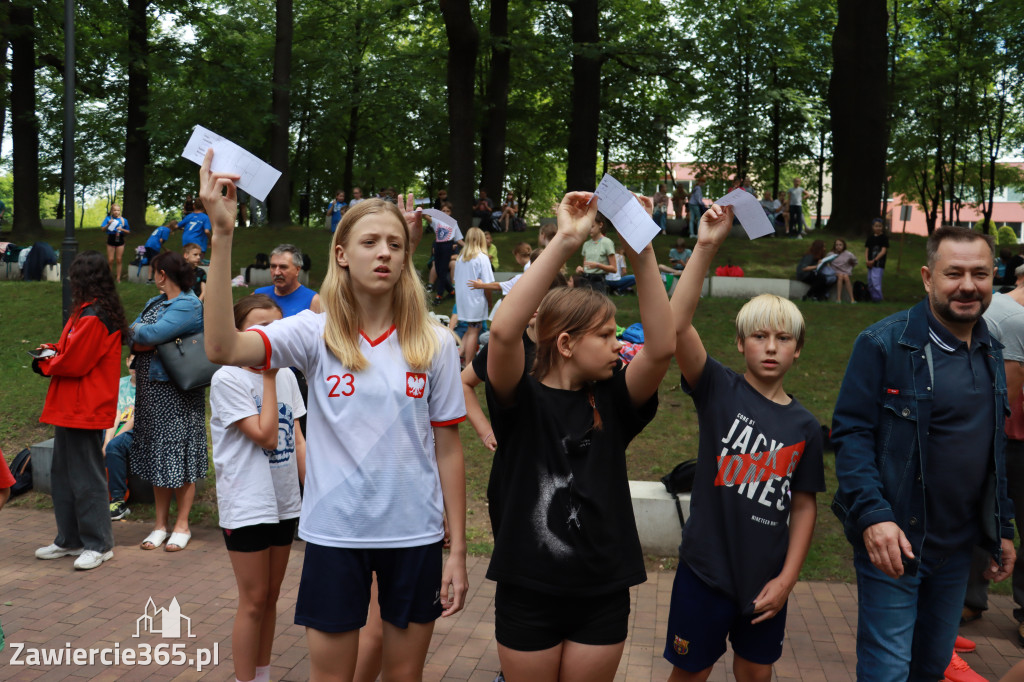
(31, 314)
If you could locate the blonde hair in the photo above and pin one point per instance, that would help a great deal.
(476, 244)
(417, 333)
(773, 313)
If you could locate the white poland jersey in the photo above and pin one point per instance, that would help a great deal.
(371, 473)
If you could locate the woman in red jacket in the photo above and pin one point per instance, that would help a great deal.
(84, 367)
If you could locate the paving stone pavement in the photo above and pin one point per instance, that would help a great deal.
(47, 604)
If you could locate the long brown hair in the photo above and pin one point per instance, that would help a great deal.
(417, 334)
(574, 311)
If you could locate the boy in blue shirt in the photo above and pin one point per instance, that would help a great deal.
(759, 465)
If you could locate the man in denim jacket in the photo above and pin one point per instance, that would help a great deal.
(918, 430)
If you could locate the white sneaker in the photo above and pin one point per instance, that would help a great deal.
(56, 552)
(91, 559)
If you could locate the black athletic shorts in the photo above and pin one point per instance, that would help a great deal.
(115, 239)
(528, 620)
(260, 537)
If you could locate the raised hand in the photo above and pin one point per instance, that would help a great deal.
(576, 216)
(715, 225)
(647, 203)
(413, 218)
(217, 190)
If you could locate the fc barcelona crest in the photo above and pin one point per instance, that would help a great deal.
(681, 645)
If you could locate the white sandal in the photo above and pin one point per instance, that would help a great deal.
(156, 538)
(179, 541)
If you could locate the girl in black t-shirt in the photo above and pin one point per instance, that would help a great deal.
(566, 547)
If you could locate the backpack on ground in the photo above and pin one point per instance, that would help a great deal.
(680, 480)
(21, 467)
(261, 262)
(634, 333)
(860, 292)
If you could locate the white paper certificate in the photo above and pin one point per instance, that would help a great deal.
(256, 177)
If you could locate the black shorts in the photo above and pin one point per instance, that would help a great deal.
(334, 591)
(151, 254)
(115, 239)
(528, 620)
(260, 537)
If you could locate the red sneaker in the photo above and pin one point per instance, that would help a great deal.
(964, 645)
(959, 671)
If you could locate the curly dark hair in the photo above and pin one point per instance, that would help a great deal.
(91, 282)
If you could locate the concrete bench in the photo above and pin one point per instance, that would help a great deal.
(657, 521)
(141, 275)
(261, 278)
(11, 271)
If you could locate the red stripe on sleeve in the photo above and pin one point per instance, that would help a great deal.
(266, 347)
(450, 422)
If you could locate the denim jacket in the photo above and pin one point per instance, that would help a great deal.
(179, 316)
(880, 432)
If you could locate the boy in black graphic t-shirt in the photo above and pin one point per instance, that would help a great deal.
(759, 465)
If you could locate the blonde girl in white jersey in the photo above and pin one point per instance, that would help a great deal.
(384, 461)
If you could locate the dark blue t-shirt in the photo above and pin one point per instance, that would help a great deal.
(753, 453)
(960, 436)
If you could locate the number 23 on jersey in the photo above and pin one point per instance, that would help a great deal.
(341, 386)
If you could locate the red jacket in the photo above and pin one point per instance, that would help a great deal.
(85, 372)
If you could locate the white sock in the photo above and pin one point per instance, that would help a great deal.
(262, 673)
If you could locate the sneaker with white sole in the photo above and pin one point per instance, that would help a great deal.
(90, 558)
(119, 510)
(56, 552)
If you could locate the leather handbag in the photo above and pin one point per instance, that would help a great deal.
(186, 363)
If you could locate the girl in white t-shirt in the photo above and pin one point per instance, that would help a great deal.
(566, 548)
(473, 304)
(259, 456)
(384, 462)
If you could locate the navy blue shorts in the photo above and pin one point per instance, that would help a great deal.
(699, 619)
(528, 620)
(334, 591)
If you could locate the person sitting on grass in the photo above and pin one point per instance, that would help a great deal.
(117, 443)
(619, 282)
(843, 265)
(759, 466)
(678, 256)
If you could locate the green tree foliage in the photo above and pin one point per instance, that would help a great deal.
(957, 104)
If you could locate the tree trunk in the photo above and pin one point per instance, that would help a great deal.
(858, 99)
(5, 20)
(279, 207)
(136, 148)
(463, 40)
(24, 126)
(492, 144)
(585, 115)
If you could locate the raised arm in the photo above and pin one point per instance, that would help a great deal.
(645, 372)
(224, 344)
(262, 428)
(505, 356)
(691, 356)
